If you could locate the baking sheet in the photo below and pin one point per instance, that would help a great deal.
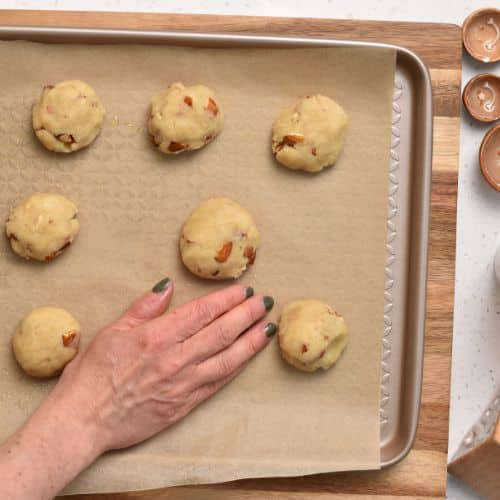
(322, 236)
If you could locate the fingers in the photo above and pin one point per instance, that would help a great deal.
(190, 318)
(209, 389)
(229, 360)
(224, 330)
(147, 307)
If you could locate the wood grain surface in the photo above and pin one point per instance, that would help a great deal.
(423, 473)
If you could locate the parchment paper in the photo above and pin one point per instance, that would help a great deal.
(322, 235)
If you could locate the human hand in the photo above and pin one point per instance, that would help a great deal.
(147, 370)
(138, 375)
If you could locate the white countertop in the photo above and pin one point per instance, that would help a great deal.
(476, 343)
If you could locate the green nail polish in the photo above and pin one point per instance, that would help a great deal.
(270, 329)
(268, 303)
(248, 292)
(161, 286)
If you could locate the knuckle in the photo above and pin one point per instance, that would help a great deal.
(174, 366)
(210, 389)
(132, 319)
(161, 372)
(253, 345)
(224, 365)
(196, 396)
(222, 334)
(165, 370)
(181, 355)
(167, 412)
(248, 313)
(170, 367)
(202, 393)
(202, 309)
(135, 312)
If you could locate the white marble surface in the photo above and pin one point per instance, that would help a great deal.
(476, 345)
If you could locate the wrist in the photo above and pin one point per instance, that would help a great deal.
(49, 450)
(69, 431)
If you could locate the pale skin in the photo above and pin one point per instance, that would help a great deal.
(151, 369)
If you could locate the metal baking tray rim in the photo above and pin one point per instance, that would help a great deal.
(417, 293)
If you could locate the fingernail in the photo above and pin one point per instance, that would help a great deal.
(268, 303)
(248, 292)
(270, 329)
(161, 286)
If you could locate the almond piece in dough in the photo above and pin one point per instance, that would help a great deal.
(68, 116)
(184, 118)
(311, 335)
(45, 341)
(219, 240)
(42, 226)
(310, 134)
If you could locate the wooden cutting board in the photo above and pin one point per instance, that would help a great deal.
(423, 473)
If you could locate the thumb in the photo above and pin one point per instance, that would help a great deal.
(146, 307)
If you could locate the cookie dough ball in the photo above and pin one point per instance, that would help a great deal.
(42, 226)
(68, 116)
(219, 240)
(311, 335)
(45, 341)
(310, 134)
(184, 118)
